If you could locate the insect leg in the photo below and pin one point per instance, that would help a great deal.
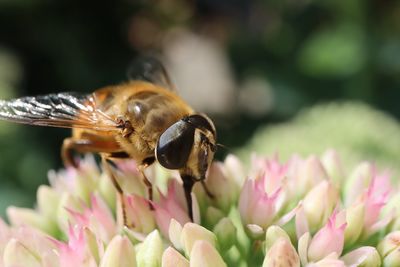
(205, 187)
(188, 183)
(67, 153)
(146, 163)
(95, 146)
(208, 192)
(107, 163)
(84, 146)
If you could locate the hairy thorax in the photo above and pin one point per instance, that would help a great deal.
(150, 110)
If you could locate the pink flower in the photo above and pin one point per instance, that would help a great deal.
(363, 256)
(319, 203)
(358, 182)
(98, 218)
(78, 182)
(238, 227)
(76, 252)
(375, 197)
(172, 206)
(139, 214)
(82, 249)
(334, 168)
(119, 252)
(389, 249)
(303, 175)
(130, 178)
(172, 258)
(256, 206)
(282, 253)
(222, 184)
(329, 239)
(204, 254)
(279, 249)
(27, 246)
(364, 214)
(235, 170)
(272, 170)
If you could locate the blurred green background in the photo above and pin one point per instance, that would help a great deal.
(248, 64)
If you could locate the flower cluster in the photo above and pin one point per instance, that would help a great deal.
(303, 212)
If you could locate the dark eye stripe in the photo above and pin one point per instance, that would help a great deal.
(199, 121)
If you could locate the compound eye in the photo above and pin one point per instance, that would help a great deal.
(174, 145)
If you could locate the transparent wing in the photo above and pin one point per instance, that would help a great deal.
(65, 110)
(150, 69)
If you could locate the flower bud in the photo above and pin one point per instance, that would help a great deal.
(302, 247)
(281, 253)
(79, 182)
(393, 206)
(192, 232)
(223, 187)
(359, 180)
(47, 201)
(80, 248)
(333, 167)
(107, 191)
(204, 254)
(374, 199)
(319, 203)
(328, 262)
(355, 223)
(389, 249)
(94, 245)
(274, 173)
(175, 233)
(98, 218)
(67, 203)
(150, 251)
(253, 199)
(172, 258)
(392, 259)
(213, 215)
(255, 231)
(16, 254)
(330, 239)
(309, 174)
(36, 242)
(273, 234)
(363, 256)
(225, 231)
(139, 213)
(119, 252)
(172, 206)
(25, 216)
(235, 170)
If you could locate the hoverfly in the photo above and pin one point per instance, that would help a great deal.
(143, 119)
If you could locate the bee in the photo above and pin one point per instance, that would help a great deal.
(143, 119)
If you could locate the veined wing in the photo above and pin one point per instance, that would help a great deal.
(65, 110)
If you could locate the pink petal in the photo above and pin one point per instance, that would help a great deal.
(169, 207)
(330, 239)
(139, 213)
(301, 223)
(245, 200)
(264, 210)
(375, 199)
